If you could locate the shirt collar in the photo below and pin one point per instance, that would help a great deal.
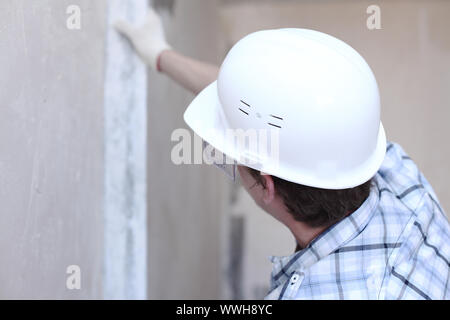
(327, 242)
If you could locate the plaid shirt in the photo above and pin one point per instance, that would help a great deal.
(395, 246)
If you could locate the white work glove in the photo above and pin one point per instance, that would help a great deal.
(148, 40)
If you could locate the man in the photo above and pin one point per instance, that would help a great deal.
(368, 225)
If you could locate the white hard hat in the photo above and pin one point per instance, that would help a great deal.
(315, 90)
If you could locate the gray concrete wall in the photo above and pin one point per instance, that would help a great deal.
(185, 205)
(51, 148)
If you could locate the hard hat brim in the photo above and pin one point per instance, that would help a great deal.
(205, 117)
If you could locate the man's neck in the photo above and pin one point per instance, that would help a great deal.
(304, 234)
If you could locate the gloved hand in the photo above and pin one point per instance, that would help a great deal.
(148, 40)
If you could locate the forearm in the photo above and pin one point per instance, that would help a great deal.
(193, 75)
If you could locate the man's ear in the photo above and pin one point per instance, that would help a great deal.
(269, 190)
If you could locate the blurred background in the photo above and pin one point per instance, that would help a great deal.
(86, 177)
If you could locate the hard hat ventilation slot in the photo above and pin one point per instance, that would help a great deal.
(274, 125)
(276, 117)
(243, 111)
(245, 103)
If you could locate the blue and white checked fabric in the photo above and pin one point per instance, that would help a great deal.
(395, 246)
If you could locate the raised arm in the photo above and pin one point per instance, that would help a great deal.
(150, 43)
(194, 75)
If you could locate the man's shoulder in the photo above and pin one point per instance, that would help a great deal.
(398, 169)
(400, 177)
(420, 266)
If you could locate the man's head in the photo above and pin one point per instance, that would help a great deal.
(315, 207)
(314, 99)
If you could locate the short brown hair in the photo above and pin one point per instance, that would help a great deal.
(315, 206)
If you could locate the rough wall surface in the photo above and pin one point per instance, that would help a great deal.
(185, 202)
(51, 148)
(125, 267)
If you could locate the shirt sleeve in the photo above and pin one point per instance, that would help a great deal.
(401, 173)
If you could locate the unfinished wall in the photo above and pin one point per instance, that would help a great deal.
(409, 57)
(51, 148)
(185, 204)
(125, 202)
